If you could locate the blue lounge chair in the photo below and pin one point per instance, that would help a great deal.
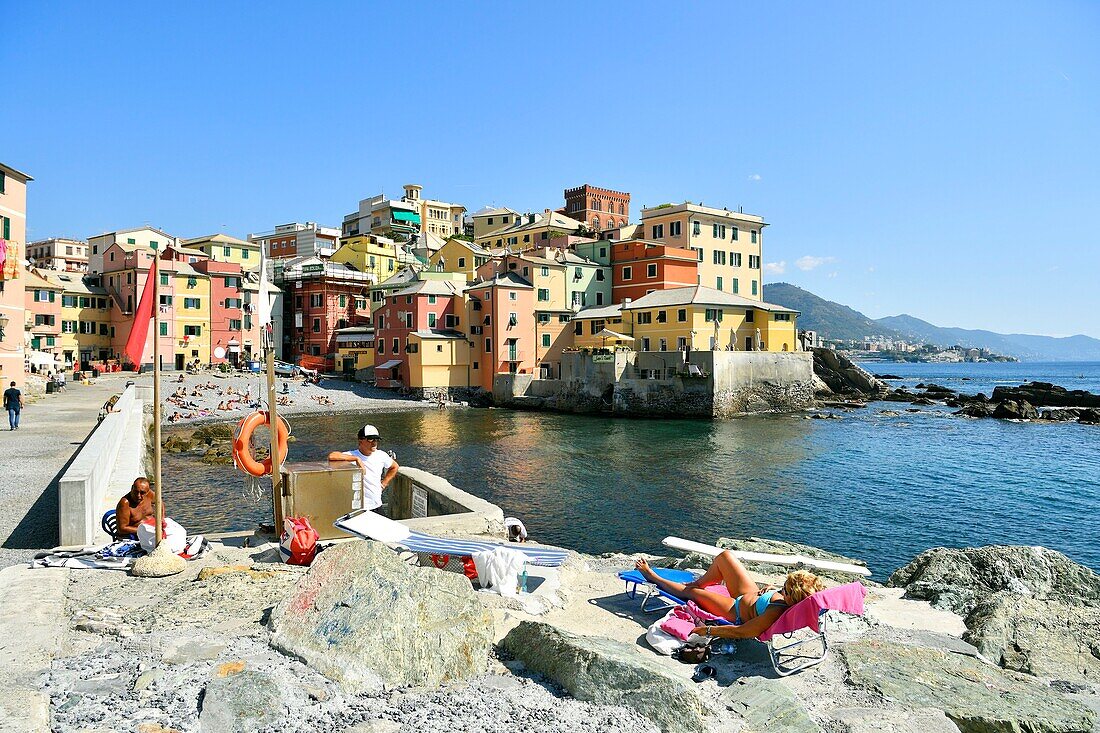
(109, 522)
(633, 579)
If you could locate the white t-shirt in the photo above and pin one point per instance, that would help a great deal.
(377, 463)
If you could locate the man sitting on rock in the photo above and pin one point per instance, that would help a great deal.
(133, 509)
(377, 465)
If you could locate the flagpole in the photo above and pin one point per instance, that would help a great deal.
(156, 397)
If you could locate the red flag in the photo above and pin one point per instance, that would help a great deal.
(135, 344)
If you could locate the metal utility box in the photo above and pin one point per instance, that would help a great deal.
(323, 492)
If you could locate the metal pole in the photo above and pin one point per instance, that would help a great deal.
(155, 271)
(276, 459)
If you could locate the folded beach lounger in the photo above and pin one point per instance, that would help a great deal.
(371, 526)
(809, 613)
(787, 560)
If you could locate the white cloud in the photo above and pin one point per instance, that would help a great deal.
(754, 177)
(831, 275)
(775, 268)
(809, 262)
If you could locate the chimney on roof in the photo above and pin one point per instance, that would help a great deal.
(626, 301)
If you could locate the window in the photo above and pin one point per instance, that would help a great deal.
(41, 320)
(381, 346)
(578, 298)
(682, 315)
(599, 275)
(735, 259)
(544, 294)
(488, 345)
(563, 318)
(754, 262)
(131, 241)
(578, 328)
(754, 236)
(543, 318)
(782, 316)
(718, 283)
(475, 365)
(736, 286)
(695, 229)
(754, 287)
(712, 315)
(513, 319)
(490, 220)
(546, 340)
(461, 262)
(298, 302)
(232, 302)
(397, 346)
(232, 282)
(439, 347)
(603, 252)
(750, 315)
(699, 252)
(512, 295)
(658, 231)
(191, 303)
(360, 304)
(626, 272)
(70, 326)
(408, 300)
(317, 325)
(244, 254)
(719, 257)
(645, 344)
(315, 300)
(234, 324)
(662, 317)
(662, 345)
(599, 298)
(165, 299)
(645, 317)
(67, 301)
(651, 270)
(735, 231)
(192, 330)
(431, 300)
(674, 231)
(432, 320)
(451, 321)
(164, 280)
(343, 299)
(544, 270)
(681, 344)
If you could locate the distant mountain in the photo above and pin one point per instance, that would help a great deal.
(831, 320)
(1025, 346)
(836, 321)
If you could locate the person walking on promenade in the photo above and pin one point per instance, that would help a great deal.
(377, 465)
(13, 403)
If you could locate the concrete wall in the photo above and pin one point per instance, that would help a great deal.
(450, 510)
(658, 384)
(87, 489)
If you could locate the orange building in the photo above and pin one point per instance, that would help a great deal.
(640, 267)
(503, 328)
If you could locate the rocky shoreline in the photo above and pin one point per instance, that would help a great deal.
(996, 638)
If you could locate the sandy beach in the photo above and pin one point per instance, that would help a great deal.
(210, 397)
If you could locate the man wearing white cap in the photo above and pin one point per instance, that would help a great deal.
(377, 465)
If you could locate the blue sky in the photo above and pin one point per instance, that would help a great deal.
(933, 159)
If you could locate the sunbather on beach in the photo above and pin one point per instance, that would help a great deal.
(751, 609)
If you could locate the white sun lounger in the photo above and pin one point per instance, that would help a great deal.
(787, 560)
(371, 526)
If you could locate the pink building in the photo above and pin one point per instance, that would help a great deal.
(505, 343)
(427, 304)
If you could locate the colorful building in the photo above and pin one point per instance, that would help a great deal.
(424, 305)
(459, 256)
(146, 239)
(224, 248)
(355, 348)
(297, 239)
(43, 314)
(439, 357)
(600, 327)
(529, 231)
(69, 255)
(368, 253)
(13, 237)
(600, 208)
(502, 328)
(404, 217)
(727, 244)
(226, 313)
(492, 219)
(319, 298)
(704, 319)
(640, 267)
(86, 326)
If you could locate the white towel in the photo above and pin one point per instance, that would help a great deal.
(499, 569)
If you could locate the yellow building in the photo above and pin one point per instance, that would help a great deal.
(459, 256)
(354, 348)
(705, 319)
(492, 219)
(599, 327)
(224, 248)
(438, 358)
(368, 253)
(189, 305)
(85, 319)
(527, 231)
(729, 244)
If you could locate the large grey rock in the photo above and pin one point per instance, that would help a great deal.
(608, 672)
(1044, 638)
(768, 706)
(978, 697)
(1015, 410)
(878, 720)
(957, 580)
(778, 547)
(843, 376)
(362, 617)
(240, 703)
(1046, 394)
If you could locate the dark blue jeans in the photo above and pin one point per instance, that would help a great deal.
(13, 418)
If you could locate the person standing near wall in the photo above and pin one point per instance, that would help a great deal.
(13, 403)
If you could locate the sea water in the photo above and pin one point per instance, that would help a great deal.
(881, 487)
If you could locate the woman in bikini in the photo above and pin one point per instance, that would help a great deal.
(751, 609)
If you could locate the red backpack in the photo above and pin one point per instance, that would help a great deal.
(299, 541)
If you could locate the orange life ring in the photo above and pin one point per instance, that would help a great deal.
(242, 444)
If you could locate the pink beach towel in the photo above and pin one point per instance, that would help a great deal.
(685, 618)
(805, 614)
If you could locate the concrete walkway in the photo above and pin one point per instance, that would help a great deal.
(33, 458)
